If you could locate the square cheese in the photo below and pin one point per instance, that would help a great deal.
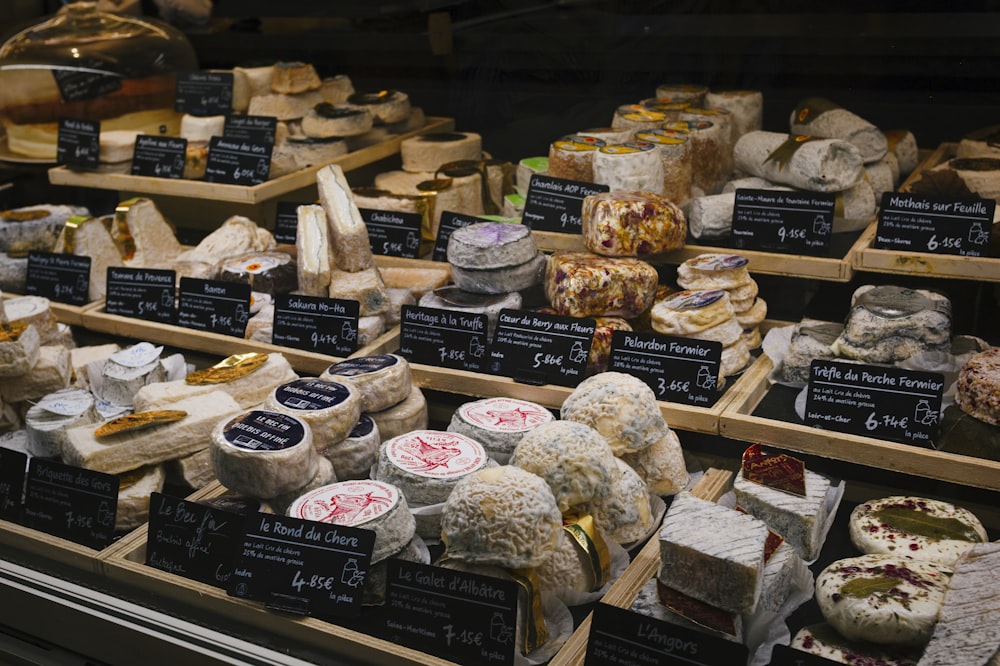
(799, 520)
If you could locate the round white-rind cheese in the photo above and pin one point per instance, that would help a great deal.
(263, 453)
(714, 271)
(411, 414)
(382, 380)
(363, 503)
(498, 423)
(330, 408)
(46, 421)
(487, 245)
(354, 457)
(619, 406)
(661, 465)
(325, 475)
(915, 528)
(426, 464)
(884, 599)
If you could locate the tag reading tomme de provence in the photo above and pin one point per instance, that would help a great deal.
(142, 293)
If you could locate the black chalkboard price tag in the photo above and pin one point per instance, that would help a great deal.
(444, 338)
(783, 222)
(934, 224)
(202, 93)
(462, 617)
(255, 129)
(72, 503)
(303, 566)
(237, 161)
(159, 156)
(286, 221)
(78, 143)
(554, 204)
(13, 467)
(682, 370)
(214, 305)
(193, 540)
(393, 234)
(874, 401)
(537, 348)
(323, 325)
(60, 277)
(141, 293)
(85, 79)
(783, 655)
(620, 637)
(449, 222)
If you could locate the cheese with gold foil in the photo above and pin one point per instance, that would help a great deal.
(145, 237)
(631, 224)
(581, 284)
(572, 158)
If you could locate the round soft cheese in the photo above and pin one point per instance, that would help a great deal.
(572, 158)
(362, 503)
(428, 152)
(714, 271)
(263, 453)
(526, 168)
(688, 312)
(486, 245)
(33, 310)
(426, 464)
(47, 421)
(624, 512)
(735, 357)
(382, 380)
(326, 121)
(387, 106)
(498, 423)
(915, 528)
(330, 408)
(884, 599)
(728, 332)
(661, 465)
(501, 280)
(324, 476)
(637, 117)
(410, 414)
(354, 457)
(633, 166)
(128, 370)
(619, 406)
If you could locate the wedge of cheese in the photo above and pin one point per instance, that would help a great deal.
(51, 373)
(348, 233)
(19, 349)
(147, 238)
(314, 254)
(89, 237)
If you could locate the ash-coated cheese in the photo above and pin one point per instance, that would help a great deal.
(266, 272)
(811, 339)
(263, 454)
(331, 409)
(50, 373)
(661, 464)
(823, 640)
(34, 227)
(631, 224)
(388, 106)
(327, 121)
(427, 464)
(581, 284)
(815, 116)
(782, 568)
(382, 380)
(410, 414)
(48, 419)
(427, 152)
(915, 528)
(712, 553)
(885, 599)
(485, 245)
(799, 520)
(366, 504)
(19, 349)
(501, 280)
(621, 407)
(354, 456)
(624, 512)
(808, 163)
(128, 370)
(498, 423)
(134, 448)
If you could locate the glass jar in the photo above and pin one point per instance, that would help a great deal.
(82, 63)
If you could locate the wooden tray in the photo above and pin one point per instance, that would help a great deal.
(868, 258)
(739, 423)
(198, 189)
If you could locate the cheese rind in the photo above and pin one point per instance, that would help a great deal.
(330, 408)
(621, 407)
(348, 233)
(18, 356)
(485, 245)
(48, 420)
(313, 252)
(427, 464)
(501, 280)
(50, 373)
(354, 457)
(410, 414)
(126, 371)
(498, 423)
(661, 464)
(382, 380)
(624, 512)
(427, 152)
(134, 494)
(800, 520)
(364, 286)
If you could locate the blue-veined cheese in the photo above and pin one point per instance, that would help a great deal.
(48, 419)
(330, 408)
(382, 380)
(621, 407)
(498, 423)
(426, 464)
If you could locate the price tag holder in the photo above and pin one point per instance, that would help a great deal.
(682, 370)
(78, 143)
(323, 325)
(214, 305)
(554, 204)
(444, 338)
(85, 79)
(303, 566)
(256, 129)
(624, 638)
(783, 222)
(202, 93)
(783, 655)
(72, 503)
(537, 348)
(934, 224)
(874, 401)
(462, 617)
(13, 467)
(193, 540)
(141, 293)
(393, 234)
(237, 162)
(61, 277)
(286, 221)
(449, 222)
(159, 156)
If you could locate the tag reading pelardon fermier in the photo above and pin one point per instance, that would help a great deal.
(874, 401)
(141, 293)
(934, 224)
(60, 277)
(313, 323)
(444, 338)
(554, 204)
(785, 222)
(538, 348)
(682, 370)
(72, 503)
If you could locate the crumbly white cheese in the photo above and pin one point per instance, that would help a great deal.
(49, 374)
(18, 357)
(313, 253)
(348, 233)
(619, 406)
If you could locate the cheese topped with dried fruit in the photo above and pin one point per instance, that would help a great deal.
(581, 284)
(631, 224)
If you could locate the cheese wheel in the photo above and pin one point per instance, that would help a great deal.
(609, 134)
(382, 380)
(410, 414)
(636, 165)
(354, 457)
(714, 271)
(823, 641)
(709, 158)
(747, 107)
(367, 504)
(501, 280)
(808, 163)
(754, 315)
(336, 89)
(325, 475)
(330, 408)
(674, 149)
(498, 423)
(426, 464)
(263, 453)
(637, 117)
(735, 358)
(692, 93)
(34, 227)
(977, 389)
(326, 121)
(46, 421)
(294, 77)
(661, 464)
(128, 370)
(689, 312)
(453, 298)
(387, 106)
(486, 245)
(19, 350)
(427, 152)
(572, 158)
(284, 107)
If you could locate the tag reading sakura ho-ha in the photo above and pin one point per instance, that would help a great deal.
(228, 369)
(779, 471)
(139, 421)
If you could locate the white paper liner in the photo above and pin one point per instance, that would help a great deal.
(619, 562)
(559, 622)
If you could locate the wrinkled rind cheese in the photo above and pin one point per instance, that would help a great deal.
(884, 599)
(580, 284)
(624, 512)
(498, 423)
(382, 380)
(631, 224)
(573, 458)
(878, 526)
(621, 407)
(34, 227)
(567, 568)
(504, 516)
(977, 390)
(331, 409)
(427, 464)
(661, 465)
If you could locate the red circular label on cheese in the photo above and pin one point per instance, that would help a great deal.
(719, 262)
(505, 414)
(260, 430)
(435, 454)
(349, 503)
(692, 300)
(363, 366)
(311, 394)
